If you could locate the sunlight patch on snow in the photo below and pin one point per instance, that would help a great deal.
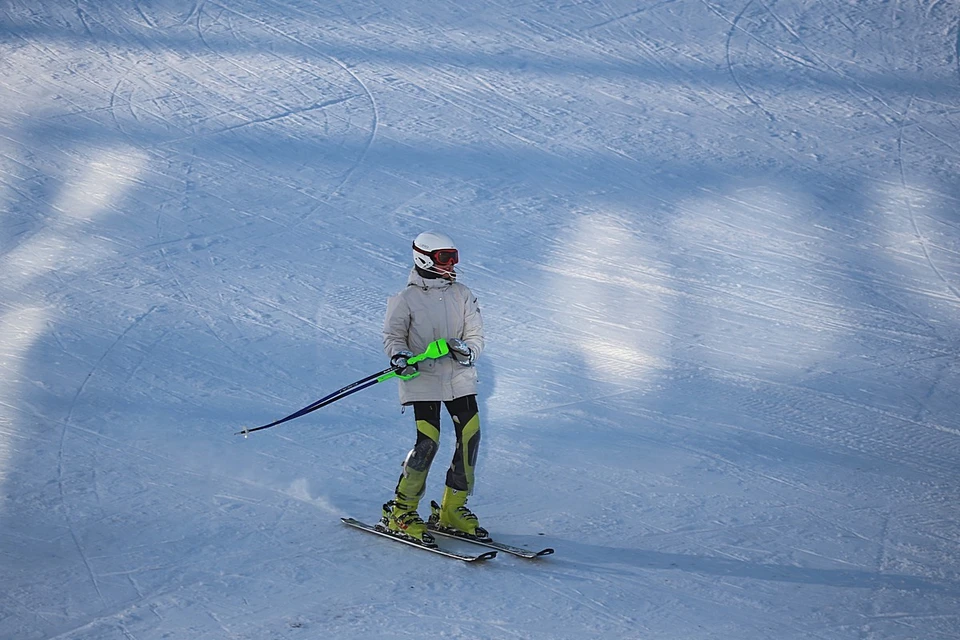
(910, 242)
(617, 360)
(19, 329)
(897, 202)
(8, 170)
(756, 299)
(604, 279)
(100, 184)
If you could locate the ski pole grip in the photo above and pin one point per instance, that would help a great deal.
(436, 349)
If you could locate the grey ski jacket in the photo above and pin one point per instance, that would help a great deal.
(428, 310)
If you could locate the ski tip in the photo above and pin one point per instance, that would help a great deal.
(489, 555)
(545, 552)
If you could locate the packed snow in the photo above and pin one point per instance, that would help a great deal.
(717, 248)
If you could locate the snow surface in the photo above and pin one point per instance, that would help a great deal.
(717, 246)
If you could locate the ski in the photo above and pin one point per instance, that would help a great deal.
(490, 543)
(439, 551)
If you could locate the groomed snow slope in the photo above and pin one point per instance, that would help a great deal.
(717, 246)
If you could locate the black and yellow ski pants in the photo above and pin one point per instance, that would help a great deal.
(460, 475)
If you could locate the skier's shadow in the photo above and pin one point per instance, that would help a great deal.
(616, 557)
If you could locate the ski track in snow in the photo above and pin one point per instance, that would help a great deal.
(716, 247)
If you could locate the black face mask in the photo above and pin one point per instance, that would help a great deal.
(431, 275)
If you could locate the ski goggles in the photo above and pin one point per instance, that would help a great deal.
(441, 257)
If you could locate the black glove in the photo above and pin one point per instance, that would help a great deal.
(461, 352)
(399, 362)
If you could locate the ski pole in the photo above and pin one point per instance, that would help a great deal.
(435, 349)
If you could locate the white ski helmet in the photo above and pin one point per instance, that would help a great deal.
(434, 251)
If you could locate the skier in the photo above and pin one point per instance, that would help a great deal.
(435, 306)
